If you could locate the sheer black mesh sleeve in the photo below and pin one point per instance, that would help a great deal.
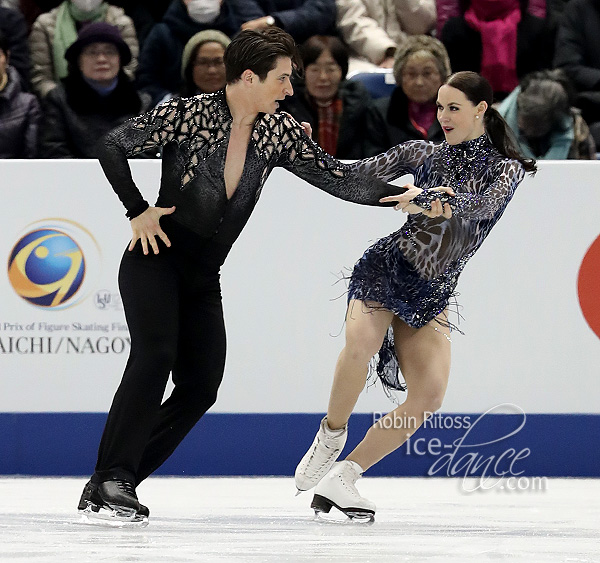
(150, 130)
(307, 160)
(508, 174)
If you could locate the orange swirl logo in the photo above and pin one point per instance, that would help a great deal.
(55, 264)
(46, 267)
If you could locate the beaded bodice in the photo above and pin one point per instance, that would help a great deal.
(483, 180)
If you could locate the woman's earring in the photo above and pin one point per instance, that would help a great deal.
(476, 117)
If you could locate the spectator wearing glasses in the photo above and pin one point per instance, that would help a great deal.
(95, 97)
(202, 63)
(53, 32)
(420, 68)
(161, 58)
(335, 107)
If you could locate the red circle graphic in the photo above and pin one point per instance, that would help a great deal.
(588, 286)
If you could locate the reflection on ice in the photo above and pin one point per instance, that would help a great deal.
(260, 520)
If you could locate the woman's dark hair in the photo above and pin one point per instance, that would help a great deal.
(314, 46)
(477, 89)
(188, 88)
(259, 51)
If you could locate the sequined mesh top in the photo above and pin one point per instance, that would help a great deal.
(484, 182)
(194, 135)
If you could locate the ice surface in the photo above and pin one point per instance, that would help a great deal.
(260, 520)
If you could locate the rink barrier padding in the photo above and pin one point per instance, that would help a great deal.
(550, 445)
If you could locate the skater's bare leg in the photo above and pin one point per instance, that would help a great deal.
(424, 357)
(366, 326)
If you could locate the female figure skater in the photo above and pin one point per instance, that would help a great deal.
(400, 288)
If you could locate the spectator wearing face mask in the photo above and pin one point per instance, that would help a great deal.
(160, 60)
(54, 32)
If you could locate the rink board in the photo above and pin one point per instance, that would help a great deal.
(272, 444)
(531, 336)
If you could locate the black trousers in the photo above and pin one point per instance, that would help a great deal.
(173, 307)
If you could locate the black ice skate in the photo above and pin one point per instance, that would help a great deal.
(338, 489)
(113, 503)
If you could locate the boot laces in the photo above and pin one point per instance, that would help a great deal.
(348, 476)
(126, 487)
(322, 454)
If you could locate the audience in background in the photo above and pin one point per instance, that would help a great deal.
(95, 97)
(500, 39)
(540, 113)
(14, 29)
(160, 60)
(31, 9)
(184, 42)
(447, 9)
(374, 29)
(420, 68)
(19, 111)
(300, 18)
(202, 64)
(55, 31)
(335, 107)
(145, 14)
(578, 54)
(554, 11)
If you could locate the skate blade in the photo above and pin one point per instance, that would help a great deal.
(344, 518)
(108, 517)
(322, 507)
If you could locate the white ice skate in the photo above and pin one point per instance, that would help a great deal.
(317, 461)
(338, 489)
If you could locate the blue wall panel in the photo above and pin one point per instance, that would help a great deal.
(560, 445)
